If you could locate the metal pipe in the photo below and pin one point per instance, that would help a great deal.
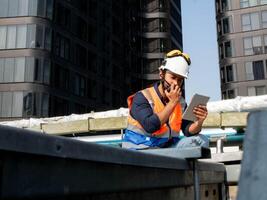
(196, 181)
(219, 146)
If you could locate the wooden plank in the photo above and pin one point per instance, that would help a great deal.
(234, 119)
(212, 120)
(106, 124)
(79, 126)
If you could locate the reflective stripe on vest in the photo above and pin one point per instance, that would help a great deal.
(175, 119)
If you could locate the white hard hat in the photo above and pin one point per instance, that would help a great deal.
(177, 65)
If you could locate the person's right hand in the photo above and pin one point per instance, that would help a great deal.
(174, 94)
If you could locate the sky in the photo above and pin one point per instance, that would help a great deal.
(200, 42)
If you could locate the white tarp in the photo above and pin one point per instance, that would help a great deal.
(238, 104)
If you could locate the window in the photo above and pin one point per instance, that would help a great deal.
(226, 25)
(31, 32)
(49, 9)
(92, 89)
(62, 81)
(254, 70)
(265, 43)
(228, 49)
(29, 104)
(257, 90)
(24, 69)
(37, 70)
(252, 45)
(263, 1)
(63, 16)
(222, 75)
(11, 37)
(19, 69)
(9, 70)
(258, 70)
(250, 21)
(3, 30)
(17, 104)
(41, 8)
(231, 94)
(21, 36)
(230, 73)
(46, 68)
(260, 90)
(13, 8)
(81, 56)
(6, 104)
(33, 4)
(24, 36)
(79, 85)
(45, 105)
(247, 3)
(226, 5)
(20, 104)
(62, 47)
(92, 61)
(2, 69)
(249, 71)
(264, 19)
(48, 38)
(29, 72)
(23, 7)
(3, 8)
(224, 96)
(39, 37)
(219, 28)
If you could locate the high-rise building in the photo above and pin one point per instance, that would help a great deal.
(242, 41)
(59, 57)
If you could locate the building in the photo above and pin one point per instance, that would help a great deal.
(59, 57)
(242, 41)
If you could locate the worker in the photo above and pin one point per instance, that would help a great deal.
(155, 113)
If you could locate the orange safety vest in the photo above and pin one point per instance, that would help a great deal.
(165, 131)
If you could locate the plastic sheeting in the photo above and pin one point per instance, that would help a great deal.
(239, 104)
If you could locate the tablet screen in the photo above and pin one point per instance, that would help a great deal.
(197, 99)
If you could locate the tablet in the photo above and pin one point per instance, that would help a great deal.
(197, 99)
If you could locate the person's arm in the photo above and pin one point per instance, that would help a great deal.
(201, 113)
(143, 113)
(185, 127)
(174, 96)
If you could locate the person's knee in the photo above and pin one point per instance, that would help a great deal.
(203, 140)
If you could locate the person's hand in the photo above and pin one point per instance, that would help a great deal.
(200, 112)
(174, 93)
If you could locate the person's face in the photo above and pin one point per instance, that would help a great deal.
(172, 78)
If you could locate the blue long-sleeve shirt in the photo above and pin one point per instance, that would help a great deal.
(144, 114)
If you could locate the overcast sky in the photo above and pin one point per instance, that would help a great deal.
(200, 42)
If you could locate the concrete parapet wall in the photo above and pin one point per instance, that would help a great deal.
(42, 166)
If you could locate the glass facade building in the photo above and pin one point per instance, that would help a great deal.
(59, 57)
(242, 41)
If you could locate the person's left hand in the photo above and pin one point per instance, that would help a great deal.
(200, 112)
